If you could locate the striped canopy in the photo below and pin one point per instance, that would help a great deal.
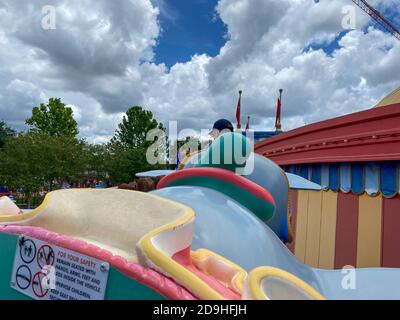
(372, 178)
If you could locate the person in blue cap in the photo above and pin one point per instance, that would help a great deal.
(220, 127)
(229, 150)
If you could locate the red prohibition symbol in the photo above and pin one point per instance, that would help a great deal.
(37, 287)
(45, 256)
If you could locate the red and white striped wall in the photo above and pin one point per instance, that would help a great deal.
(334, 229)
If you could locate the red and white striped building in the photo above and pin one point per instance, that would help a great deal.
(355, 220)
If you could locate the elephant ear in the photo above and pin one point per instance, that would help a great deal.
(230, 151)
(8, 207)
(247, 193)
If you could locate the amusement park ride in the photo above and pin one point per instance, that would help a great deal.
(281, 223)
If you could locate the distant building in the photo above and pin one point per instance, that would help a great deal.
(262, 135)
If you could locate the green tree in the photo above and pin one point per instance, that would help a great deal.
(135, 125)
(121, 165)
(127, 149)
(5, 133)
(98, 161)
(54, 119)
(33, 160)
(20, 165)
(65, 159)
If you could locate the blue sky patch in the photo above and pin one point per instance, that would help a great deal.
(188, 28)
(328, 48)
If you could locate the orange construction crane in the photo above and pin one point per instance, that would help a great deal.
(378, 17)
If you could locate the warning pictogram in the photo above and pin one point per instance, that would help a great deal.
(45, 256)
(27, 250)
(23, 277)
(37, 285)
(45, 271)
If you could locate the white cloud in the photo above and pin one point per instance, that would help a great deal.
(100, 60)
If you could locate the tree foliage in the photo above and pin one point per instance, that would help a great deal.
(97, 159)
(124, 163)
(34, 160)
(127, 149)
(49, 153)
(135, 125)
(5, 133)
(54, 119)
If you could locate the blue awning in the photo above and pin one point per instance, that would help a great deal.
(371, 177)
(334, 176)
(298, 182)
(316, 173)
(388, 179)
(325, 176)
(154, 173)
(357, 178)
(345, 177)
(372, 172)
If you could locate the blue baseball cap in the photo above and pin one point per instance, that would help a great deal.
(222, 124)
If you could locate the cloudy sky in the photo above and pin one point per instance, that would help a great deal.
(186, 60)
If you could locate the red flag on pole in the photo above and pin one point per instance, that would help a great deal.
(248, 124)
(239, 126)
(278, 125)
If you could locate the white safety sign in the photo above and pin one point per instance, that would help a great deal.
(44, 271)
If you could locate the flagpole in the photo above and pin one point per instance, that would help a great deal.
(278, 125)
(248, 124)
(238, 111)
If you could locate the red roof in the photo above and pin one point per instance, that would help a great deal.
(370, 135)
